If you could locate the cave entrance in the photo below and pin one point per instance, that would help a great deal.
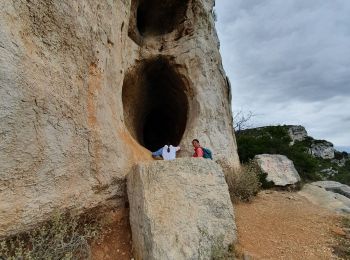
(157, 17)
(155, 104)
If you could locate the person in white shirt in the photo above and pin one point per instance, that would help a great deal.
(169, 152)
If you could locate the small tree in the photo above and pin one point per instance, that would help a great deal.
(241, 120)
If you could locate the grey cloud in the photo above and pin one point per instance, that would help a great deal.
(294, 47)
(289, 60)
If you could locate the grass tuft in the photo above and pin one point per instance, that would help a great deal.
(63, 237)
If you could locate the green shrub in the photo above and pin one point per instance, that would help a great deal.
(269, 140)
(244, 185)
(63, 237)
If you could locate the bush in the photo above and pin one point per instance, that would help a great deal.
(64, 237)
(244, 185)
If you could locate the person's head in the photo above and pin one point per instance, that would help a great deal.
(195, 143)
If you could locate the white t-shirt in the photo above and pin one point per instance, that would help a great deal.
(171, 155)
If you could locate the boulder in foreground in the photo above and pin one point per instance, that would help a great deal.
(180, 209)
(279, 169)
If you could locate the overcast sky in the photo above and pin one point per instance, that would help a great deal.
(289, 62)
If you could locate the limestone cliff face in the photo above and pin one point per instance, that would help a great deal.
(87, 88)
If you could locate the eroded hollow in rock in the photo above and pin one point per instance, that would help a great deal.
(155, 103)
(157, 17)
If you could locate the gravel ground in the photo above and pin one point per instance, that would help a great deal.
(285, 225)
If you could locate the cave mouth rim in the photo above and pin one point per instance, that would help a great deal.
(151, 85)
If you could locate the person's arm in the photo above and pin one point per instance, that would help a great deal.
(177, 148)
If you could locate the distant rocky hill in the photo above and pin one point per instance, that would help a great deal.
(314, 159)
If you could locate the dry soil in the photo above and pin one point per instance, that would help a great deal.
(284, 225)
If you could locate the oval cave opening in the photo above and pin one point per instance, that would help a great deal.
(155, 104)
(157, 17)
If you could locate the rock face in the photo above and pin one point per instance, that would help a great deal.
(88, 88)
(319, 195)
(329, 172)
(279, 169)
(297, 133)
(179, 209)
(319, 148)
(322, 149)
(335, 187)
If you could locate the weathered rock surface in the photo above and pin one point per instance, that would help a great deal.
(279, 169)
(297, 133)
(322, 149)
(318, 195)
(329, 172)
(334, 186)
(68, 135)
(340, 162)
(179, 209)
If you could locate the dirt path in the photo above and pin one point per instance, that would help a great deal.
(115, 241)
(284, 225)
(276, 225)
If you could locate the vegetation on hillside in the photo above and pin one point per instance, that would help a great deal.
(276, 140)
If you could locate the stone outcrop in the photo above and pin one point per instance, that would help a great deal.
(85, 87)
(322, 149)
(341, 162)
(279, 169)
(297, 133)
(335, 187)
(328, 172)
(319, 195)
(318, 148)
(180, 209)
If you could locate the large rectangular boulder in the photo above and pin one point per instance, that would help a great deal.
(279, 169)
(180, 209)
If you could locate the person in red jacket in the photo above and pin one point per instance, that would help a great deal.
(198, 151)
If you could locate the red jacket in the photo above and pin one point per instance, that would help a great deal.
(198, 152)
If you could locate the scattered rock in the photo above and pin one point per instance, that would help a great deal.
(329, 172)
(279, 169)
(341, 162)
(179, 209)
